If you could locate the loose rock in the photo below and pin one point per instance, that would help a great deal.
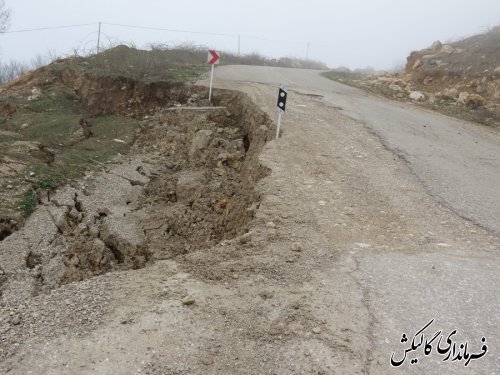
(416, 95)
(188, 300)
(266, 294)
(246, 238)
(270, 225)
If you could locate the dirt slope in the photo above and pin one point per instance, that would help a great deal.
(461, 79)
(467, 71)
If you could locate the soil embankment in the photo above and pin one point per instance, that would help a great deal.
(186, 184)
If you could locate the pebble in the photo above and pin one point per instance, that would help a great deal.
(442, 244)
(266, 294)
(15, 320)
(362, 245)
(270, 225)
(316, 330)
(207, 361)
(188, 300)
(246, 238)
(297, 247)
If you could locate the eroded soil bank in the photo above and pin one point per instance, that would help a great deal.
(58, 122)
(187, 184)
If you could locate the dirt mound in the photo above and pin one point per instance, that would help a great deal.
(478, 56)
(464, 73)
(461, 79)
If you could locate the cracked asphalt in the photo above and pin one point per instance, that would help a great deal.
(421, 194)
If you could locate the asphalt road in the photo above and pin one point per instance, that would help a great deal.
(422, 239)
(458, 162)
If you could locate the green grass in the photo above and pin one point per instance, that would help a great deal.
(343, 76)
(28, 202)
(7, 138)
(45, 184)
(52, 121)
(72, 161)
(180, 65)
(188, 74)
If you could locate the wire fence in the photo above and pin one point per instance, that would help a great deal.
(103, 35)
(234, 41)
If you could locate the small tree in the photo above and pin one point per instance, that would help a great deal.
(4, 16)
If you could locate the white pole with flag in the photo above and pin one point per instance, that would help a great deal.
(211, 81)
(213, 58)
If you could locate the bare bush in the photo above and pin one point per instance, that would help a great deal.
(194, 53)
(4, 16)
(11, 70)
(162, 61)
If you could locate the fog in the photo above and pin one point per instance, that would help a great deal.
(355, 33)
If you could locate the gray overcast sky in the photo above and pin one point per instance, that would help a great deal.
(354, 33)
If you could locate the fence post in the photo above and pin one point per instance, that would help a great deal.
(99, 38)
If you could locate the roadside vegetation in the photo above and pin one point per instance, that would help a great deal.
(183, 62)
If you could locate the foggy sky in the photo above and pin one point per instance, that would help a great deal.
(353, 33)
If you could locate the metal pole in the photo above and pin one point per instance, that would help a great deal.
(211, 80)
(99, 38)
(279, 125)
(239, 44)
